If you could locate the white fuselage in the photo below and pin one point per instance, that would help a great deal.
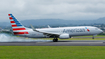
(72, 31)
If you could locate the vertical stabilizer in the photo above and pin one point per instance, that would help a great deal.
(17, 27)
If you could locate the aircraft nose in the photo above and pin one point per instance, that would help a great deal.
(101, 31)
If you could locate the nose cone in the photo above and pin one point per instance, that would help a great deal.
(101, 31)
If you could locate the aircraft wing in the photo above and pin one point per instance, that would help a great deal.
(45, 33)
(49, 33)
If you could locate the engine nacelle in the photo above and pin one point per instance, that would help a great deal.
(64, 36)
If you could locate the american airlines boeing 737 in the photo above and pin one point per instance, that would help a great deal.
(62, 32)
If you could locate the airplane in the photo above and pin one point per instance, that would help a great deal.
(61, 32)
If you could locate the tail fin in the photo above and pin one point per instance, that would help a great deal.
(17, 27)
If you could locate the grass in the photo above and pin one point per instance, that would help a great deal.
(84, 39)
(94, 36)
(52, 52)
(76, 38)
(71, 39)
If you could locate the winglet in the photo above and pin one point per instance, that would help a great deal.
(34, 28)
(49, 26)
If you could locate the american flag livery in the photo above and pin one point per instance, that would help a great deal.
(17, 27)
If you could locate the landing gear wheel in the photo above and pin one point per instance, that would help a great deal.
(55, 40)
(92, 37)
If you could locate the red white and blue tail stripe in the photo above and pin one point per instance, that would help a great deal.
(18, 28)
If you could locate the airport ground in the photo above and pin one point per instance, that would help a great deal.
(52, 52)
(81, 41)
(74, 48)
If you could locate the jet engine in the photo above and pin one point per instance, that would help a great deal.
(64, 36)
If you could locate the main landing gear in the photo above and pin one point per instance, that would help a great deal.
(55, 40)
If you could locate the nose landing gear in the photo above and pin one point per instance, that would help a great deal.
(93, 37)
